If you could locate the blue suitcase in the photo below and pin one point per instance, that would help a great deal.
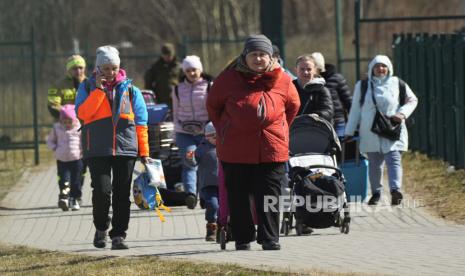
(157, 113)
(356, 175)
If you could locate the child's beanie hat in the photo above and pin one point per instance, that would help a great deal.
(209, 129)
(67, 112)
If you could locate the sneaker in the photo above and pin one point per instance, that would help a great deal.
(191, 201)
(396, 197)
(117, 243)
(211, 232)
(74, 204)
(79, 200)
(243, 246)
(374, 199)
(100, 239)
(271, 245)
(63, 204)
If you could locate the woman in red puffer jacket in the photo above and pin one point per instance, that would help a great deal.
(251, 104)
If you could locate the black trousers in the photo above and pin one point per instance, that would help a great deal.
(115, 192)
(259, 180)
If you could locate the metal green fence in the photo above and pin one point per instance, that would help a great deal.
(434, 67)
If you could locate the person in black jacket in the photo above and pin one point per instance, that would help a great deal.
(314, 96)
(340, 91)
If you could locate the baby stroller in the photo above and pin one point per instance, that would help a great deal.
(317, 186)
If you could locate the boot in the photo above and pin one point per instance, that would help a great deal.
(211, 232)
(396, 197)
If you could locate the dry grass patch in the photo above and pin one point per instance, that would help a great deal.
(19, 260)
(441, 192)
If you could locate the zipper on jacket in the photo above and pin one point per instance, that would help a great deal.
(192, 102)
(283, 131)
(261, 109)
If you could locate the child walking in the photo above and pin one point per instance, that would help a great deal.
(207, 161)
(65, 141)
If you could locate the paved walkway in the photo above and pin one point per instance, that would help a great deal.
(399, 241)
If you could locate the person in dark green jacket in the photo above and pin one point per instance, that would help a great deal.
(164, 75)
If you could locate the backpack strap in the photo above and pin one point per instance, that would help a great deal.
(402, 92)
(363, 90)
(176, 92)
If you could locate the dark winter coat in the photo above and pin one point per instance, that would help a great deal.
(161, 78)
(315, 98)
(340, 92)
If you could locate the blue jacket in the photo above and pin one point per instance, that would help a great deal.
(119, 129)
(207, 161)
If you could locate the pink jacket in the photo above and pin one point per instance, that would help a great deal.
(65, 143)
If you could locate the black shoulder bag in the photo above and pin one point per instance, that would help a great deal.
(382, 125)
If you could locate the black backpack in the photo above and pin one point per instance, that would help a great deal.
(402, 91)
(402, 97)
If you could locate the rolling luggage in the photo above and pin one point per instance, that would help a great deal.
(355, 172)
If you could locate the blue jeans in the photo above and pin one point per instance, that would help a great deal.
(393, 161)
(339, 128)
(210, 195)
(70, 172)
(186, 143)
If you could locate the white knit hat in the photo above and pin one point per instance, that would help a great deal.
(319, 61)
(209, 129)
(107, 55)
(192, 62)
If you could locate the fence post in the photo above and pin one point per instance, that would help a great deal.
(422, 92)
(432, 100)
(34, 99)
(459, 101)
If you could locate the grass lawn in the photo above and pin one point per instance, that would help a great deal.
(440, 191)
(19, 260)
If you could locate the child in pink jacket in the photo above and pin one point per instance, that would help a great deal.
(65, 140)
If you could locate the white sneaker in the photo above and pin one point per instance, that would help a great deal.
(74, 204)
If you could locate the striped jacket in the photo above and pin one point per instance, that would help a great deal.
(119, 129)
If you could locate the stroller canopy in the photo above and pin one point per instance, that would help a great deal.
(310, 133)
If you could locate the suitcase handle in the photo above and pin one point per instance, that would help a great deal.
(357, 150)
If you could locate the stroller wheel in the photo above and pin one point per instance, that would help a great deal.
(223, 238)
(346, 225)
(299, 227)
